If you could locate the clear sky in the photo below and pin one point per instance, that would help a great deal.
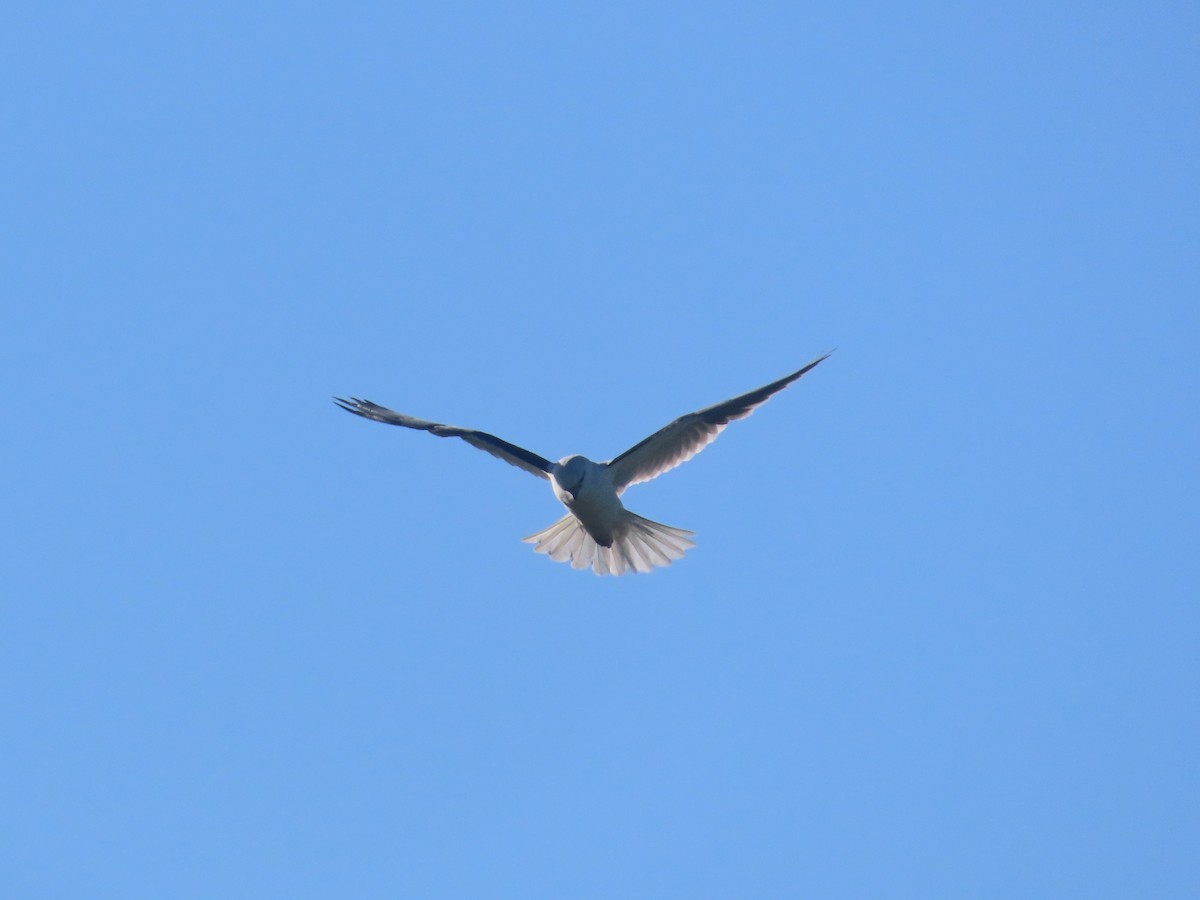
(938, 638)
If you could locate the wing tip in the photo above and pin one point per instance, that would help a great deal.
(820, 359)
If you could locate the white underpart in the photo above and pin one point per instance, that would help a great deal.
(598, 531)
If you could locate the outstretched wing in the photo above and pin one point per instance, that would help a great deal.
(510, 453)
(688, 435)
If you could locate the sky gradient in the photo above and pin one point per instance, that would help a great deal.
(938, 635)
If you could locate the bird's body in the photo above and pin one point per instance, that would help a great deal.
(598, 531)
(586, 489)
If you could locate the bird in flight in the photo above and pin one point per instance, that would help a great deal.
(598, 531)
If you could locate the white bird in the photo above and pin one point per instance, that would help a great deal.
(598, 531)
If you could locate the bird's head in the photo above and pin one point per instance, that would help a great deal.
(569, 475)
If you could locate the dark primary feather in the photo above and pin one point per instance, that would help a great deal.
(489, 443)
(689, 434)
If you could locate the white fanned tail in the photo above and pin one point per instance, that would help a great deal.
(640, 545)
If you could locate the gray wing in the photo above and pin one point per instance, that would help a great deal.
(688, 435)
(510, 453)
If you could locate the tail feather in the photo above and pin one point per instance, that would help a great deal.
(579, 540)
(652, 548)
(639, 545)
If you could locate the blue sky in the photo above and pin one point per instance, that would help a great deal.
(938, 636)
